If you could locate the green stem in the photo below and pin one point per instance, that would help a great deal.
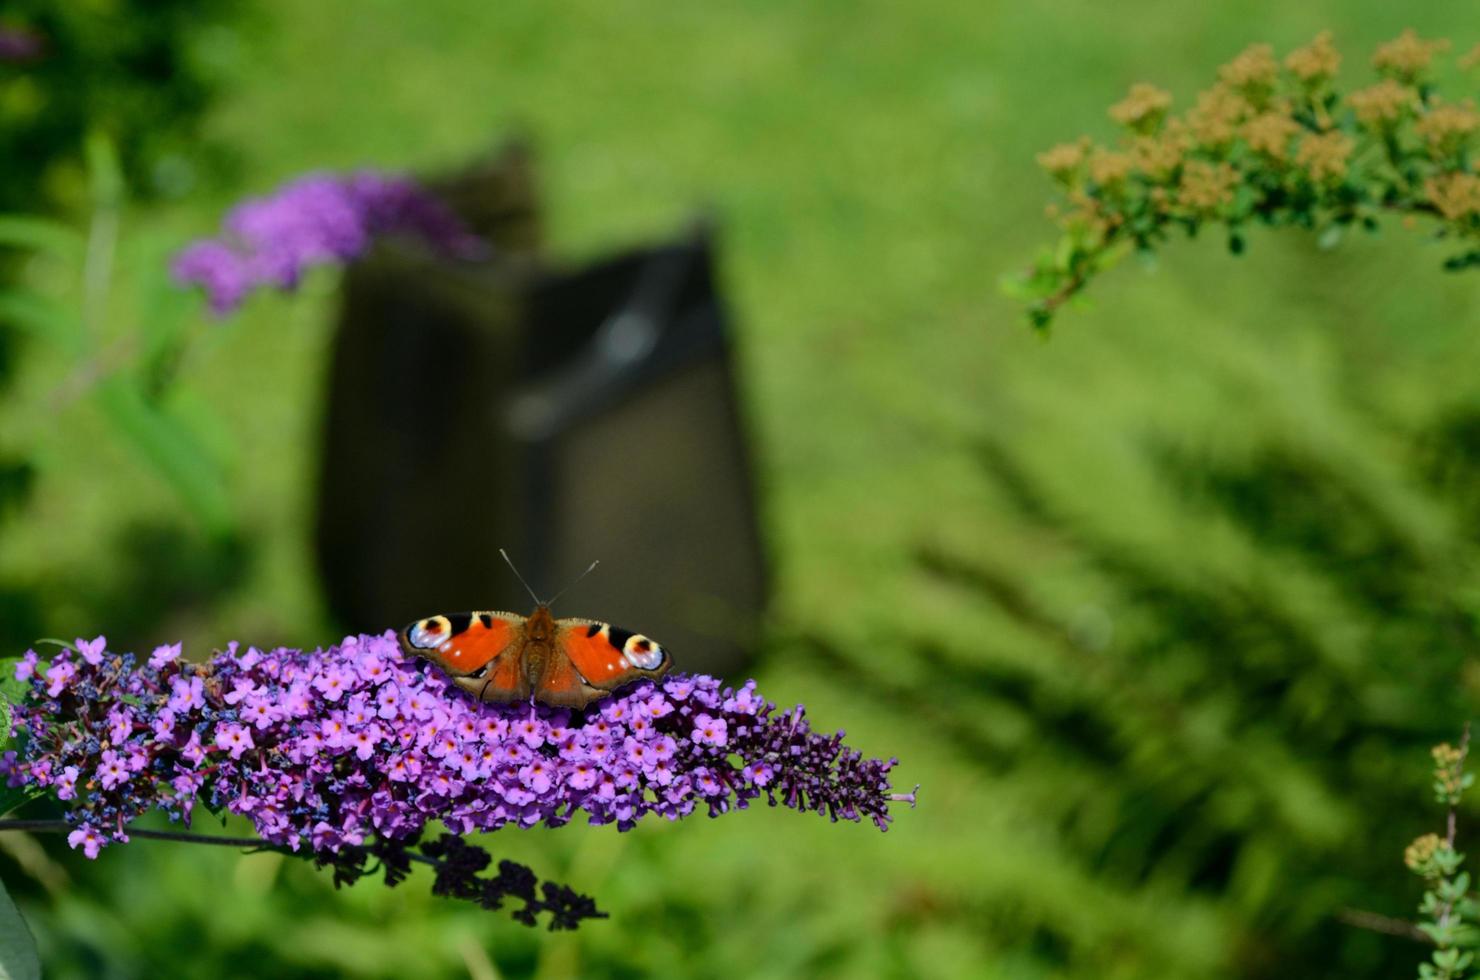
(1386, 924)
(252, 843)
(62, 827)
(97, 270)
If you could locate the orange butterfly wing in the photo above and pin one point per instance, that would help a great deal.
(479, 650)
(605, 656)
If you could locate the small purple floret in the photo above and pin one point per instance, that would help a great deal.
(320, 749)
(319, 219)
(25, 668)
(86, 838)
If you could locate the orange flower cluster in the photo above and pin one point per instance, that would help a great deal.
(1253, 70)
(1447, 127)
(1407, 56)
(1317, 62)
(1270, 133)
(1456, 195)
(1206, 186)
(1144, 106)
(1383, 104)
(1324, 155)
(1270, 140)
(1449, 769)
(1418, 854)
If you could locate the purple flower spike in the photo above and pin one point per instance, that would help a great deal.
(325, 750)
(319, 219)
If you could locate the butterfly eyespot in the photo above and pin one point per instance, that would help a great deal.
(643, 653)
(428, 633)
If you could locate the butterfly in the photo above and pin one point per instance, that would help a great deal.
(504, 657)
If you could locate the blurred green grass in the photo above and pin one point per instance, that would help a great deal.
(872, 169)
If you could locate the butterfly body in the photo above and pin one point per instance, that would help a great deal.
(504, 657)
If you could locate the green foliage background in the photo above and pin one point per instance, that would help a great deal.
(1163, 612)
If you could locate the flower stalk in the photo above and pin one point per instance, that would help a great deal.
(1448, 911)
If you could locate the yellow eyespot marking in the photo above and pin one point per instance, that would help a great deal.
(642, 653)
(428, 633)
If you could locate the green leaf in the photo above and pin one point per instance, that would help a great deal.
(1459, 263)
(1019, 287)
(1441, 935)
(45, 318)
(104, 173)
(18, 959)
(1063, 255)
(1112, 256)
(171, 449)
(1245, 199)
(165, 312)
(15, 797)
(12, 693)
(1330, 237)
(42, 235)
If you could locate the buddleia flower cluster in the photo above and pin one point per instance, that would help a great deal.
(1272, 142)
(349, 751)
(319, 219)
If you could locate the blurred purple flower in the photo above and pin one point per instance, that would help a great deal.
(19, 44)
(25, 668)
(320, 749)
(319, 219)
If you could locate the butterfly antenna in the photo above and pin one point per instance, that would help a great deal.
(591, 568)
(515, 570)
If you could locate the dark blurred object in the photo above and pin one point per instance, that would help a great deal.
(567, 417)
(498, 199)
